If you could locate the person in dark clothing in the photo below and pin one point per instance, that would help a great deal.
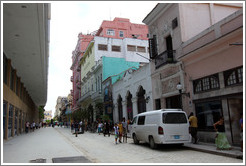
(76, 126)
(106, 129)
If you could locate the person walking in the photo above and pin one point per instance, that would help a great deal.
(221, 139)
(120, 131)
(124, 125)
(193, 127)
(100, 126)
(76, 126)
(106, 129)
(116, 132)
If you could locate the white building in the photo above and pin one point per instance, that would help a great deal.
(133, 93)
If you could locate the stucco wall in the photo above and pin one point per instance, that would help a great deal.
(131, 83)
(113, 66)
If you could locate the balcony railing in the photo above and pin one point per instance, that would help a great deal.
(71, 79)
(164, 58)
(97, 95)
(85, 96)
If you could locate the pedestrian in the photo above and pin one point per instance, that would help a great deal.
(241, 131)
(33, 126)
(116, 132)
(99, 127)
(27, 126)
(124, 125)
(106, 129)
(193, 127)
(120, 131)
(76, 126)
(221, 139)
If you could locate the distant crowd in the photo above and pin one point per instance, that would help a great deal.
(105, 127)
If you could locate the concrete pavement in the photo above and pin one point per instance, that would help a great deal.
(45, 144)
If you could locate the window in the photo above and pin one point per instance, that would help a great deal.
(153, 47)
(16, 120)
(110, 32)
(4, 116)
(207, 114)
(141, 120)
(157, 104)
(174, 23)
(206, 83)
(141, 49)
(121, 34)
(102, 47)
(11, 109)
(233, 76)
(116, 48)
(131, 48)
(134, 120)
(5, 69)
(174, 118)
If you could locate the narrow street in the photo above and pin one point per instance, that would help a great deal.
(49, 143)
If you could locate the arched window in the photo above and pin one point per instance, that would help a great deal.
(120, 109)
(141, 100)
(129, 106)
(233, 76)
(206, 83)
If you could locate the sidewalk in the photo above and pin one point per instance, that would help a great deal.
(211, 148)
(235, 152)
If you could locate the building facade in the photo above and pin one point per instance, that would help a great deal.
(113, 50)
(82, 43)
(132, 93)
(214, 74)
(47, 115)
(173, 28)
(25, 64)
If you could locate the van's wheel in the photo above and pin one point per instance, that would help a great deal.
(135, 140)
(152, 143)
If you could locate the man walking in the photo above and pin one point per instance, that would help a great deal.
(193, 127)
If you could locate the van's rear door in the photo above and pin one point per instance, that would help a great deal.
(176, 126)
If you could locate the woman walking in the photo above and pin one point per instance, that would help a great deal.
(221, 139)
(116, 132)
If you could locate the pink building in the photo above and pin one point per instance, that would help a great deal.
(197, 62)
(213, 64)
(121, 28)
(83, 41)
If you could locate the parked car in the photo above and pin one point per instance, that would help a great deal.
(165, 126)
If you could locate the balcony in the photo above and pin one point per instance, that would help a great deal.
(97, 95)
(85, 96)
(164, 58)
(78, 86)
(78, 68)
(71, 79)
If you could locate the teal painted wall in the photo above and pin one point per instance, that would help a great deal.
(114, 66)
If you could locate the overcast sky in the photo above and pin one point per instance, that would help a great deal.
(68, 19)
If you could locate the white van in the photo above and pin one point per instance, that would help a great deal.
(165, 126)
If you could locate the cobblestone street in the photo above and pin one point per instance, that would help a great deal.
(60, 142)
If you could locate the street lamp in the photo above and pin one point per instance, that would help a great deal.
(180, 87)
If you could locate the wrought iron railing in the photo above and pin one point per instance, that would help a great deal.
(165, 58)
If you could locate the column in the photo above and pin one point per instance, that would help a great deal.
(124, 105)
(115, 112)
(134, 106)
